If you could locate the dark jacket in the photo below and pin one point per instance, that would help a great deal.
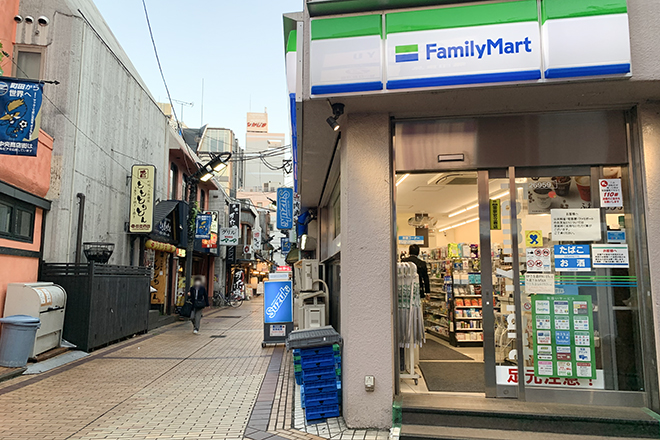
(422, 272)
(198, 296)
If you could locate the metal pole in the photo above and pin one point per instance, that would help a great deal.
(81, 220)
(192, 199)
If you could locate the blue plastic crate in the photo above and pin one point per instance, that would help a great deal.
(323, 399)
(322, 386)
(327, 361)
(299, 378)
(320, 413)
(316, 374)
(328, 349)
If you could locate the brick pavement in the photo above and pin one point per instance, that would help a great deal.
(168, 384)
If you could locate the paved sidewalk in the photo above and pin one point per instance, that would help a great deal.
(168, 384)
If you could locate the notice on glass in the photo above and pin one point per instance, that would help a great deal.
(539, 259)
(610, 193)
(564, 336)
(541, 283)
(576, 224)
(610, 256)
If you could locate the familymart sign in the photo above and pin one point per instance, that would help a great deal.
(475, 44)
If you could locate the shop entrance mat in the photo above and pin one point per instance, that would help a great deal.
(432, 350)
(461, 377)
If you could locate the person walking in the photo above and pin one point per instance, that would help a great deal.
(200, 300)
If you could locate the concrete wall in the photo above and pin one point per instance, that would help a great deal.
(103, 121)
(366, 281)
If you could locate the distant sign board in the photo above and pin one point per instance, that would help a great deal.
(411, 239)
(228, 236)
(257, 122)
(141, 217)
(203, 226)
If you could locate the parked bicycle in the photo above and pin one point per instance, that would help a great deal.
(234, 299)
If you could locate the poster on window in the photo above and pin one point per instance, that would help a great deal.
(20, 116)
(558, 192)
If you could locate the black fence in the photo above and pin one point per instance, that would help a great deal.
(104, 303)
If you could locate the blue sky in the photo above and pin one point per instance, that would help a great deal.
(236, 46)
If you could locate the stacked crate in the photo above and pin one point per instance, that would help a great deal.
(318, 371)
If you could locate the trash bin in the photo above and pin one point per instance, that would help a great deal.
(17, 339)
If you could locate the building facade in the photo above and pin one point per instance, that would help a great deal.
(445, 108)
(264, 174)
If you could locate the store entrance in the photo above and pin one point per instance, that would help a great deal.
(547, 251)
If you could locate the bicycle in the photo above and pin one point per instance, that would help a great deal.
(235, 300)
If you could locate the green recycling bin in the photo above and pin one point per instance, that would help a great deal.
(17, 339)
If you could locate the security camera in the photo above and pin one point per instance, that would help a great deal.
(29, 19)
(43, 21)
(18, 19)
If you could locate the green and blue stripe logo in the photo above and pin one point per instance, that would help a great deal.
(406, 53)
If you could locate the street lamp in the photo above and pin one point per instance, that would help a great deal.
(204, 173)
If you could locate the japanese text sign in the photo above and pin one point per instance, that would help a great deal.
(141, 216)
(609, 256)
(610, 193)
(572, 258)
(576, 224)
(20, 117)
(203, 226)
(228, 236)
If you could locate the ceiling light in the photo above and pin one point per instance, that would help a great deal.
(501, 195)
(337, 111)
(454, 214)
(459, 224)
(404, 177)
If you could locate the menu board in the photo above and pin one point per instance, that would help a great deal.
(563, 336)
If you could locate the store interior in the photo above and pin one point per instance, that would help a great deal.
(440, 213)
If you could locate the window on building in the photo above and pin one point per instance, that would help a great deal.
(335, 202)
(16, 219)
(202, 200)
(174, 173)
(28, 64)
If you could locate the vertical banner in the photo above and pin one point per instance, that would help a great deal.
(203, 226)
(285, 244)
(158, 281)
(20, 117)
(142, 198)
(284, 208)
(256, 239)
(278, 310)
(235, 217)
(495, 215)
(212, 242)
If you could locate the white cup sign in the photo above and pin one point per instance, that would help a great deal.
(610, 193)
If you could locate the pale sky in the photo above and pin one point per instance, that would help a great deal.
(236, 46)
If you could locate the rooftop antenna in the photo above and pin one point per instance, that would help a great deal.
(187, 104)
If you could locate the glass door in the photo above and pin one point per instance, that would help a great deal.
(560, 252)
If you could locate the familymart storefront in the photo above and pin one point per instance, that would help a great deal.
(515, 143)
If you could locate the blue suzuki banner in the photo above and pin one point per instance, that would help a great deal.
(278, 302)
(284, 208)
(20, 117)
(203, 226)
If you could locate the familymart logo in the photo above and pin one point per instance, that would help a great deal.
(410, 52)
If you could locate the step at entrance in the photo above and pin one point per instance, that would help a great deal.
(438, 416)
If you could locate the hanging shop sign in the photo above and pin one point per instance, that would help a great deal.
(610, 256)
(203, 226)
(495, 215)
(235, 217)
(576, 224)
(159, 246)
(228, 236)
(572, 258)
(610, 193)
(159, 279)
(563, 336)
(469, 44)
(181, 253)
(284, 208)
(411, 239)
(285, 244)
(141, 217)
(212, 242)
(256, 239)
(20, 117)
(539, 260)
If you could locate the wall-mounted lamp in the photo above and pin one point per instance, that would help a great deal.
(337, 111)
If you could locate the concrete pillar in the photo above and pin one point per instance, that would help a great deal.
(649, 120)
(366, 261)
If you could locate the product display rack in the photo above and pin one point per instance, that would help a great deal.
(436, 313)
(465, 303)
